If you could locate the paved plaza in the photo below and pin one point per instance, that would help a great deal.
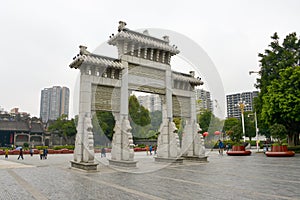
(223, 177)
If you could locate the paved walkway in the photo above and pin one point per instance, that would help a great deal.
(223, 177)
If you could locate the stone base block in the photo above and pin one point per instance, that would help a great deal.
(122, 163)
(89, 167)
(195, 158)
(169, 160)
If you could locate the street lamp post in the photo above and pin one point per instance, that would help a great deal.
(242, 105)
(256, 129)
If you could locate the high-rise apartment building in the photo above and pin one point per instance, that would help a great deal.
(54, 103)
(151, 102)
(233, 109)
(204, 101)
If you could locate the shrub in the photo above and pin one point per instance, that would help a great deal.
(70, 147)
(252, 142)
(41, 147)
(296, 149)
(141, 145)
(26, 145)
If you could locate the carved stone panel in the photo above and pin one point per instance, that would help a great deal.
(105, 98)
(181, 106)
(147, 72)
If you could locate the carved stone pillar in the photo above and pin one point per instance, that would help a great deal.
(168, 149)
(84, 144)
(192, 141)
(157, 55)
(125, 47)
(163, 57)
(145, 53)
(139, 51)
(132, 49)
(151, 54)
(122, 153)
(113, 73)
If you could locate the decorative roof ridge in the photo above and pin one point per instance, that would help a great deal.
(143, 38)
(145, 35)
(187, 77)
(183, 74)
(104, 57)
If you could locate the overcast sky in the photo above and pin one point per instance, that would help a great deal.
(39, 38)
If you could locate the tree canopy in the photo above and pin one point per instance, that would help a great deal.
(279, 85)
(63, 127)
(209, 122)
(104, 123)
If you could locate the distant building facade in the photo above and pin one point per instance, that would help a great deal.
(17, 128)
(204, 101)
(151, 102)
(54, 103)
(233, 99)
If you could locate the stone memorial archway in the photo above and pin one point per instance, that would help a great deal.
(143, 64)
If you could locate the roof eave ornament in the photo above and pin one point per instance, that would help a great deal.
(122, 25)
(83, 50)
(166, 38)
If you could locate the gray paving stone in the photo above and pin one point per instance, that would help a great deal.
(223, 177)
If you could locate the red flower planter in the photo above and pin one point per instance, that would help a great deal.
(238, 148)
(279, 148)
(238, 151)
(280, 151)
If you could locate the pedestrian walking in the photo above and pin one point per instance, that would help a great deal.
(41, 154)
(6, 153)
(228, 147)
(221, 147)
(31, 151)
(103, 152)
(21, 154)
(147, 150)
(45, 152)
(150, 150)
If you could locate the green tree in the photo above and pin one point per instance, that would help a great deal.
(156, 120)
(179, 125)
(233, 128)
(204, 120)
(282, 102)
(237, 133)
(104, 123)
(139, 118)
(249, 125)
(209, 122)
(278, 132)
(63, 127)
(273, 62)
(229, 123)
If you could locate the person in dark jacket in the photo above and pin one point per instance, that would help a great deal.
(21, 154)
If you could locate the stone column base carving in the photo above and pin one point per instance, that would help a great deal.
(84, 144)
(168, 141)
(192, 141)
(122, 143)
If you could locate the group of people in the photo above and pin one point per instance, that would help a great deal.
(222, 147)
(43, 154)
(21, 153)
(150, 149)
